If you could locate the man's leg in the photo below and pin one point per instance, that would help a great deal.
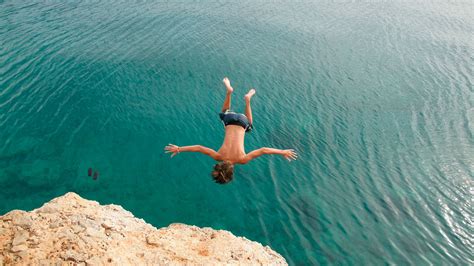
(227, 100)
(248, 110)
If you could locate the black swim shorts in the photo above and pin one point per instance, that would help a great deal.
(230, 118)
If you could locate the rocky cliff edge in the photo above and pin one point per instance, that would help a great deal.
(70, 230)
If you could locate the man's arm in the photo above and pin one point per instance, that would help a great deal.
(173, 149)
(289, 154)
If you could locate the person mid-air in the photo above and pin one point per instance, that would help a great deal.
(232, 150)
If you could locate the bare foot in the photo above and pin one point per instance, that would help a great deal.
(227, 85)
(249, 94)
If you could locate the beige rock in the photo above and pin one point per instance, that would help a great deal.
(34, 241)
(23, 254)
(92, 232)
(22, 221)
(20, 238)
(54, 225)
(70, 230)
(19, 248)
(48, 209)
(152, 239)
(93, 261)
(77, 229)
(71, 255)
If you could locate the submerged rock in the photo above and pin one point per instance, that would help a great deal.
(70, 229)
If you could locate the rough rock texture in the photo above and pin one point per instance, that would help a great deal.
(70, 230)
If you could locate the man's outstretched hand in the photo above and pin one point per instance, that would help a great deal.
(173, 149)
(290, 154)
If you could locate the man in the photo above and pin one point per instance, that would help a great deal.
(232, 150)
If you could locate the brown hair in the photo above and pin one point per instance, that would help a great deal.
(223, 172)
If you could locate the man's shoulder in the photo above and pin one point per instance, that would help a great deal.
(242, 160)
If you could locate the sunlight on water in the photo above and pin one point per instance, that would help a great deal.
(375, 96)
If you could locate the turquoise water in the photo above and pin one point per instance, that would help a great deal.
(376, 96)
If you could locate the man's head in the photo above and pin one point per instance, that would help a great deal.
(223, 172)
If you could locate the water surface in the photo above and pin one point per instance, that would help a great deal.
(376, 96)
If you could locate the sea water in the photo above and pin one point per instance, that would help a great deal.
(375, 96)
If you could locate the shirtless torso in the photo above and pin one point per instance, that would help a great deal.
(232, 149)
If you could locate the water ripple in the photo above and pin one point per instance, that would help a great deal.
(376, 99)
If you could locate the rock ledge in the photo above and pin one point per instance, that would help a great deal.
(70, 230)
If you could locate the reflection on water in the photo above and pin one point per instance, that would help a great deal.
(375, 97)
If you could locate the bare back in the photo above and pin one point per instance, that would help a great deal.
(232, 148)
